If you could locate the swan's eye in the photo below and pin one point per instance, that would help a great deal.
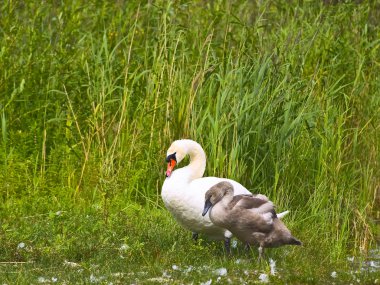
(171, 157)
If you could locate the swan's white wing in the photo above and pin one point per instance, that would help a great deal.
(205, 183)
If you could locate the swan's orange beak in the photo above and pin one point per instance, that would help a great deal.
(171, 165)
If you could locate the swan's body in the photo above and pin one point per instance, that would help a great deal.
(251, 218)
(184, 189)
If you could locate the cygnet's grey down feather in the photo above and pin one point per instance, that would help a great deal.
(251, 218)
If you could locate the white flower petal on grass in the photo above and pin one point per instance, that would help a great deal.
(207, 282)
(21, 245)
(221, 271)
(272, 265)
(334, 274)
(264, 278)
(234, 243)
(351, 259)
(54, 279)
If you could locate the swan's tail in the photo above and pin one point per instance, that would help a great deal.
(283, 214)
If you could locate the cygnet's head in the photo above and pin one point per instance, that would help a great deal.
(216, 193)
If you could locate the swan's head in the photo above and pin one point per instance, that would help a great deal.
(175, 154)
(216, 193)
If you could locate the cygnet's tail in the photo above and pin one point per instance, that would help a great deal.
(293, 241)
(283, 214)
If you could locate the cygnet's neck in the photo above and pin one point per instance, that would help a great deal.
(227, 199)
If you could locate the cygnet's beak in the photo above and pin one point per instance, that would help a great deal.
(207, 207)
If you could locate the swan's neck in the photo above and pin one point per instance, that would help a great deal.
(197, 165)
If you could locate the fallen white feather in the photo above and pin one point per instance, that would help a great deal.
(221, 271)
(264, 278)
(272, 265)
(124, 247)
(159, 279)
(70, 264)
(374, 264)
(175, 267)
(188, 269)
(42, 280)
(94, 279)
(207, 282)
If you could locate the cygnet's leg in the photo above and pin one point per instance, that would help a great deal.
(227, 245)
(227, 241)
(259, 238)
(261, 252)
(195, 236)
(247, 246)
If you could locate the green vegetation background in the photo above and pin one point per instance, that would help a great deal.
(284, 96)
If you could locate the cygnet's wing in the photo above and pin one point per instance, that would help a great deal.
(260, 208)
(253, 202)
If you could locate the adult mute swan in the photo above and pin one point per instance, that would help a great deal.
(251, 218)
(184, 190)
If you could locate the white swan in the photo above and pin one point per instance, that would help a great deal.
(184, 189)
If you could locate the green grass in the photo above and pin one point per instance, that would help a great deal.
(283, 97)
(144, 245)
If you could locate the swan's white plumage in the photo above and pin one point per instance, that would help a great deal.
(184, 191)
